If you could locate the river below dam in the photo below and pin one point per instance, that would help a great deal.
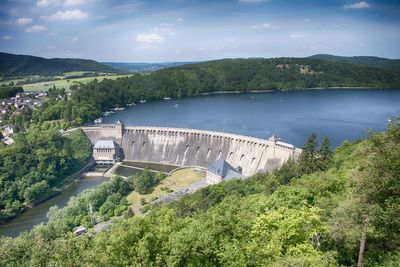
(36, 215)
(340, 114)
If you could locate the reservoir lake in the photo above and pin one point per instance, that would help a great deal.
(340, 114)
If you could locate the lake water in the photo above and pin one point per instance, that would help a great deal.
(37, 214)
(342, 114)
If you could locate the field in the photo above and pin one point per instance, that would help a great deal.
(66, 83)
(176, 181)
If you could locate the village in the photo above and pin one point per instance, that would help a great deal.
(9, 107)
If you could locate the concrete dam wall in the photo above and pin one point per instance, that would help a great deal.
(189, 147)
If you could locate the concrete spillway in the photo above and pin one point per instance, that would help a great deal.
(189, 147)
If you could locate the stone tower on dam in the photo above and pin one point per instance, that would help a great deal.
(189, 147)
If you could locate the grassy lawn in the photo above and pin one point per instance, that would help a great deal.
(42, 86)
(69, 73)
(176, 181)
(152, 166)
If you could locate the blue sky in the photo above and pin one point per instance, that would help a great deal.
(192, 30)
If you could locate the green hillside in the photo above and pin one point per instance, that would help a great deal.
(375, 62)
(22, 65)
(264, 74)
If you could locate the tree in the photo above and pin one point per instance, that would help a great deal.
(378, 186)
(287, 171)
(367, 222)
(36, 191)
(68, 111)
(307, 159)
(144, 182)
(281, 233)
(325, 154)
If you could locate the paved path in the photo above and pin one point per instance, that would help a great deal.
(101, 226)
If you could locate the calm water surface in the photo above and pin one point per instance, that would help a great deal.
(37, 214)
(339, 114)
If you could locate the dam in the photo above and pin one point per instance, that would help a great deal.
(192, 147)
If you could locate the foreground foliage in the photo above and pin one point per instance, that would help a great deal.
(311, 218)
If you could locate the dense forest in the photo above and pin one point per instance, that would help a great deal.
(37, 163)
(375, 62)
(21, 65)
(326, 209)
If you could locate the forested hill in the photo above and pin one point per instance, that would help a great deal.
(376, 62)
(260, 74)
(20, 65)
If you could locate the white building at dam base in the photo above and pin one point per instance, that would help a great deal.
(105, 152)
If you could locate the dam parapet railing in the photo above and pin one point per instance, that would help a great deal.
(194, 147)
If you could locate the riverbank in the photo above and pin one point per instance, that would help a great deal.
(66, 183)
(287, 90)
(237, 92)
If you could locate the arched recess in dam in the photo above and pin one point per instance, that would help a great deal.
(189, 147)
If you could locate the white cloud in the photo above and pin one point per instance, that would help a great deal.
(74, 2)
(46, 3)
(76, 14)
(265, 26)
(179, 19)
(144, 38)
(7, 37)
(297, 35)
(36, 28)
(359, 5)
(23, 21)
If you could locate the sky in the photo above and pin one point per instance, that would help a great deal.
(194, 30)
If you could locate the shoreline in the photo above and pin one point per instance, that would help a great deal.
(68, 182)
(293, 90)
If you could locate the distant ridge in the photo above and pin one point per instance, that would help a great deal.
(376, 62)
(19, 65)
(144, 67)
